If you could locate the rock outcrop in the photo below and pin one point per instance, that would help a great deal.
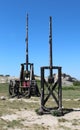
(67, 80)
(6, 79)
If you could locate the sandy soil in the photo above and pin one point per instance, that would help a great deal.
(70, 121)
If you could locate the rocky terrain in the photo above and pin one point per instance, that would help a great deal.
(6, 78)
(67, 80)
(27, 119)
(20, 113)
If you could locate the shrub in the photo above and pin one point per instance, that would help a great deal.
(76, 83)
(57, 113)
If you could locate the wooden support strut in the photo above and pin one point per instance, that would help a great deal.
(51, 90)
(59, 89)
(42, 87)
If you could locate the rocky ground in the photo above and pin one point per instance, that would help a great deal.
(28, 119)
(67, 80)
(31, 121)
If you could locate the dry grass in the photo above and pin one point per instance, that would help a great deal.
(28, 120)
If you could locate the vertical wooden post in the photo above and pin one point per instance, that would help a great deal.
(50, 42)
(27, 59)
(59, 88)
(42, 87)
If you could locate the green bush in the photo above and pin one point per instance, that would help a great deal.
(57, 113)
(76, 83)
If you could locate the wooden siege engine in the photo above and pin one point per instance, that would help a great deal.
(50, 86)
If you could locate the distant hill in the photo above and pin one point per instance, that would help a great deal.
(67, 80)
(6, 78)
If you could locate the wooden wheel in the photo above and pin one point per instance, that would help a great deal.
(11, 88)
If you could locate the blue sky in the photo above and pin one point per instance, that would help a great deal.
(65, 31)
